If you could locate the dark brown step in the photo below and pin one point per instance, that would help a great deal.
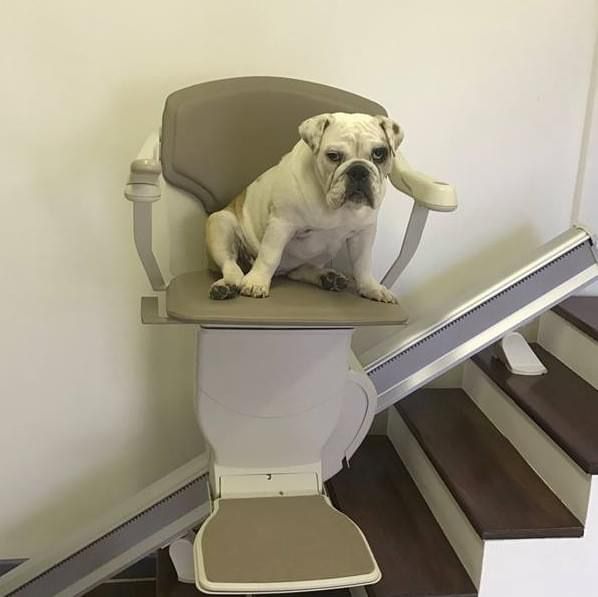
(414, 556)
(498, 491)
(125, 588)
(582, 312)
(561, 403)
(168, 585)
(138, 580)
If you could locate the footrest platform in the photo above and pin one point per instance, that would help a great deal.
(280, 544)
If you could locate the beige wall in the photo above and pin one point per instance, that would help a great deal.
(492, 98)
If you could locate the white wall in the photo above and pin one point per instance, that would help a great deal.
(94, 406)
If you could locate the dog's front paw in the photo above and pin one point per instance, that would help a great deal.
(255, 286)
(221, 291)
(378, 293)
(335, 281)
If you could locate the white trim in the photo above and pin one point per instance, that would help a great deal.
(570, 345)
(465, 541)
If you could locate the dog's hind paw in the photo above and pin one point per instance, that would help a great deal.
(334, 281)
(221, 291)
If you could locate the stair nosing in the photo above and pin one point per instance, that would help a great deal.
(566, 310)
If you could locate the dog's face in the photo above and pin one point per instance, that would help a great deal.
(353, 156)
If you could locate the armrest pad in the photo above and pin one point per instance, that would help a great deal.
(430, 193)
(143, 185)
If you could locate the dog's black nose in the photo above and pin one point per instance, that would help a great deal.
(357, 173)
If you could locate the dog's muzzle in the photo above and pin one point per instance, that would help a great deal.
(358, 188)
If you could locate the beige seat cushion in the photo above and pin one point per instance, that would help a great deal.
(289, 304)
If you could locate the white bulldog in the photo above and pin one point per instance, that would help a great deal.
(293, 219)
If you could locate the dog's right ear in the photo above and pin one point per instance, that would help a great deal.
(312, 130)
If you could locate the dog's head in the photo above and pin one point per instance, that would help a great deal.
(353, 156)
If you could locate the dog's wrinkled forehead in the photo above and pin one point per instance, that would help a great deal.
(354, 130)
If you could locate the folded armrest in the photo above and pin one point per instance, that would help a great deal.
(430, 193)
(143, 189)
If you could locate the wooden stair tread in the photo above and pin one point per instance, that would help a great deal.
(582, 312)
(498, 491)
(561, 403)
(168, 585)
(414, 556)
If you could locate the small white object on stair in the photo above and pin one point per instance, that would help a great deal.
(517, 355)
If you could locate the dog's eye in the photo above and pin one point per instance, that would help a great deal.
(379, 154)
(334, 156)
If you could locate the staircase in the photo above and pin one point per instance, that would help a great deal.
(507, 463)
(482, 489)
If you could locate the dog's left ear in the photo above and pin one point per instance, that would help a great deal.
(312, 130)
(393, 132)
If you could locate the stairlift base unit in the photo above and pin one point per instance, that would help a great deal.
(281, 412)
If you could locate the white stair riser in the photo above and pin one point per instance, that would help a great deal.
(533, 568)
(569, 482)
(467, 544)
(570, 345)
(544, 567)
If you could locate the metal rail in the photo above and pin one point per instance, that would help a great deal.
(149, 520)
(423, 351)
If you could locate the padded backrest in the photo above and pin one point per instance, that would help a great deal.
(217, 137)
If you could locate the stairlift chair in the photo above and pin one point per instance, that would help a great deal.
(281, 400)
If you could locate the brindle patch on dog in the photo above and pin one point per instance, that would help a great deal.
(222, 292)
(334, 281)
